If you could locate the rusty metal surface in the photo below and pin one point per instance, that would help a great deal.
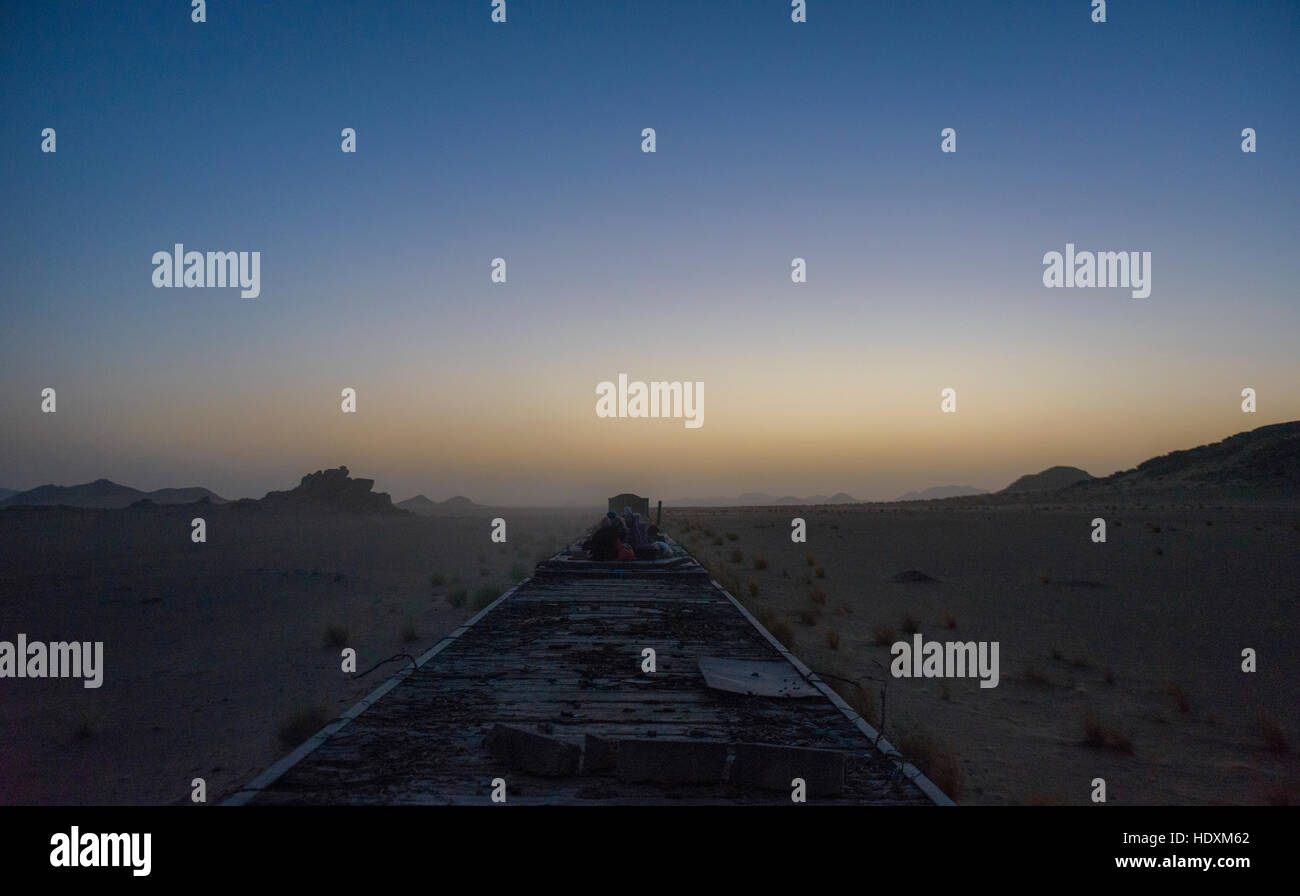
(562, 656)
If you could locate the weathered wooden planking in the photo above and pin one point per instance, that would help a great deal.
(561, 654)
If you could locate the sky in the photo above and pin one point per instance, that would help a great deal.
(523, 140)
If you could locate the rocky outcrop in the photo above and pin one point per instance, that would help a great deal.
(333, 490)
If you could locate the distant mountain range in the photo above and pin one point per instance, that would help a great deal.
(762, 499)
(939, 492)
(1261, 461)
(322, 490)
(425, 507)
(105, 495)
(1049, 480)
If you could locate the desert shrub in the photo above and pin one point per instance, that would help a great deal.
(1271, 731)
(936, 761)
(1097, 735)
(783, 632)
(1039, 798)
(860, 698)
(1034, 676)
(485, 594)
(302, 725)
(1180, 696)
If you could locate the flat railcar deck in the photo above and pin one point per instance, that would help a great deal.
(561, 655)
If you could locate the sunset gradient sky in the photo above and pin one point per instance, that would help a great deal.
(522, 140)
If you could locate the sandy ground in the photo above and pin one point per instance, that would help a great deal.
(1145, 631)
(210, 649)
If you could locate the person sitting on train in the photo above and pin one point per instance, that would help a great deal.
(617, 522)
(604, 542)
(644, 548)
(660, 541)
(637, 535)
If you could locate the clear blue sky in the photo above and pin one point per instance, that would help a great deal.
(522, 140)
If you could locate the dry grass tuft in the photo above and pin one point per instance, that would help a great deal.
(936, 761)
(302, 725)
(1097, 735)
(1180, 696)
(1271, 731)
(779, 627)
(1035, 677)
(860, 699)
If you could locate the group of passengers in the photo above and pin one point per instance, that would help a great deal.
(626, 537)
